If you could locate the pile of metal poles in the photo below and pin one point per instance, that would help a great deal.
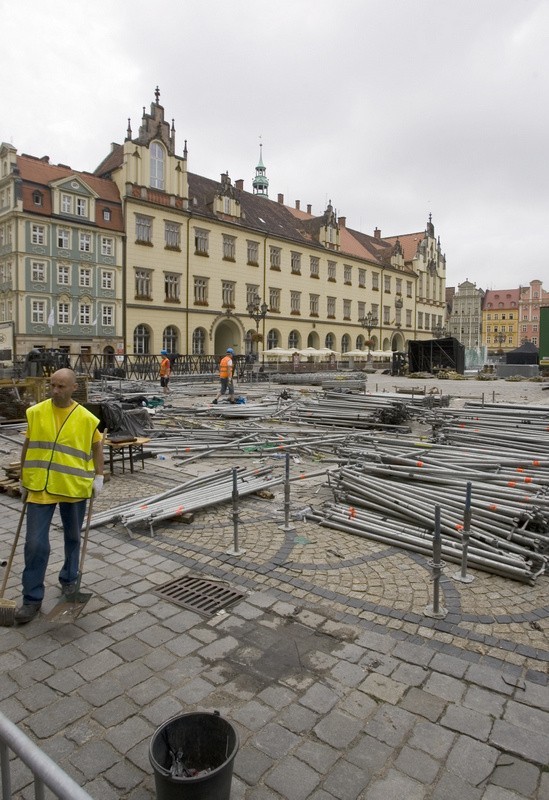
(389, 495)
(198, 493)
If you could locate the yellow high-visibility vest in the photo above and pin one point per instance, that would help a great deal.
(60, 462)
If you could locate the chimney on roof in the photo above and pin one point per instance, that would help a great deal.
(342, 222)
(297, 204)
(377, 233)
(281, 199)
(45, 159)
(309, 208)
(239, 184)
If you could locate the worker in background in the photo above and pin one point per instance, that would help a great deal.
(226, 370)
(61, 463)
(165, 371)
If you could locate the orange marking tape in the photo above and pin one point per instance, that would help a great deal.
(511, 484)
(520, 469)
(187, 449)
(420, 464)
(536, 463)
(352, 512)
(145, 505)
(528, 479)
(459, 527)
(303, 475)
(492, 507)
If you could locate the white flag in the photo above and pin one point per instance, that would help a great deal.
(74, 319)
(51, 319)
(95, 321)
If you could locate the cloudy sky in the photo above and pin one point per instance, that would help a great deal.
(391, 109)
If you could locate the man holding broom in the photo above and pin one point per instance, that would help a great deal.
(61, 463)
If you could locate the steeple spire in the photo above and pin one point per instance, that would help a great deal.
(261, 183)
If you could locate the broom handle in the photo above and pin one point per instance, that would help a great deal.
(86, 532)
(13, 548)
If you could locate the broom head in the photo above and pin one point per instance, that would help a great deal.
(7, 612)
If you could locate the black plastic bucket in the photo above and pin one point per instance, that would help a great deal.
(201, 743)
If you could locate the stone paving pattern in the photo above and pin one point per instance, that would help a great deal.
(337, 683)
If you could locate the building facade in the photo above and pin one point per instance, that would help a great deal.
(61, 257)
(531, 299)
(465, 318)
(200, 252)
(500, 320)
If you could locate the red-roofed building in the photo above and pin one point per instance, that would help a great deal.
(531, 299)
(500, 320)
(61, 256)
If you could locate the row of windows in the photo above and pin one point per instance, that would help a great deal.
(142, 340)
(6, 234)
(39, 271)
(64, 315)
(66, 236)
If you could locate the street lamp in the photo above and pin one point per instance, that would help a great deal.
(369, 322)
(500, 339)
(257, 313)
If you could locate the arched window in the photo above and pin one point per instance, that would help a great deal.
(360, 342)
(329, 341)
(170, 339)
(345, 343)
(157, 166)
(199, 342)
(272, 339)
(294, 340)
(141, 340)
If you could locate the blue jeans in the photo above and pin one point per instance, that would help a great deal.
(37, 546)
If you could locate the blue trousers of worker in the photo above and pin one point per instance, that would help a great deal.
(37, 546)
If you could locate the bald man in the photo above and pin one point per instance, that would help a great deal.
(61, 464)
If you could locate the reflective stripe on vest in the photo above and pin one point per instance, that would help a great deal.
(60, 462)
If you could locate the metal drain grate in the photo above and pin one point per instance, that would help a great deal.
(198, 594)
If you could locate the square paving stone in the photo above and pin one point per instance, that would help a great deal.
(194, 691)
(277, 696)
(162, 709)
(471, 760)
(417, 764)
(425, 704)
(253, 715)
(433, 739)
(390, 724)
(383, 688)
(124, 776)
(358, 704)
(484, 701)
(528, 744)
(346, 781)
(298, 719)
(338, 729)
(410, 674)
(101, 691)
(94, 757)
(348, 674)
(292, 779)
(275, 741)
(465, 720)
(319, 756)
(320, 698)
(451, 787)
(515, 774)
(115, 712)
(396, 786)
(449, 665)
(533, 719)
(444, 686)
(129, 733)
(534, 695)
(370, 755)
(250, 764)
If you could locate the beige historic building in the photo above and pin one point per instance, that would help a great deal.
(200, 252)
(61, 256)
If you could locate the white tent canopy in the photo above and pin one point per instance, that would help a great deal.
(355, 354)
(279, 352)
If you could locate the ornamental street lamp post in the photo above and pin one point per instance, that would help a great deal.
(258, 313)
(500, 339)
(369, 322)
(439, 331)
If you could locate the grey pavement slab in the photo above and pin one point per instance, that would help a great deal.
(331, 697)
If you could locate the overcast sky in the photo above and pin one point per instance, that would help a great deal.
(391, 109)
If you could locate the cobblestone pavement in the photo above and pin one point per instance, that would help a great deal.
(338, 684)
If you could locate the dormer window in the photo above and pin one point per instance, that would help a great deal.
(66, 204)
(37, 198)
(157, 166)
(81, 207)
(107, 214)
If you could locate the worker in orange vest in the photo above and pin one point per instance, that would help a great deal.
(165, 371)
(226, 370)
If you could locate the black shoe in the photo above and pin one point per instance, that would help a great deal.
(69, 589)
(214, 402)
(27, 612)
